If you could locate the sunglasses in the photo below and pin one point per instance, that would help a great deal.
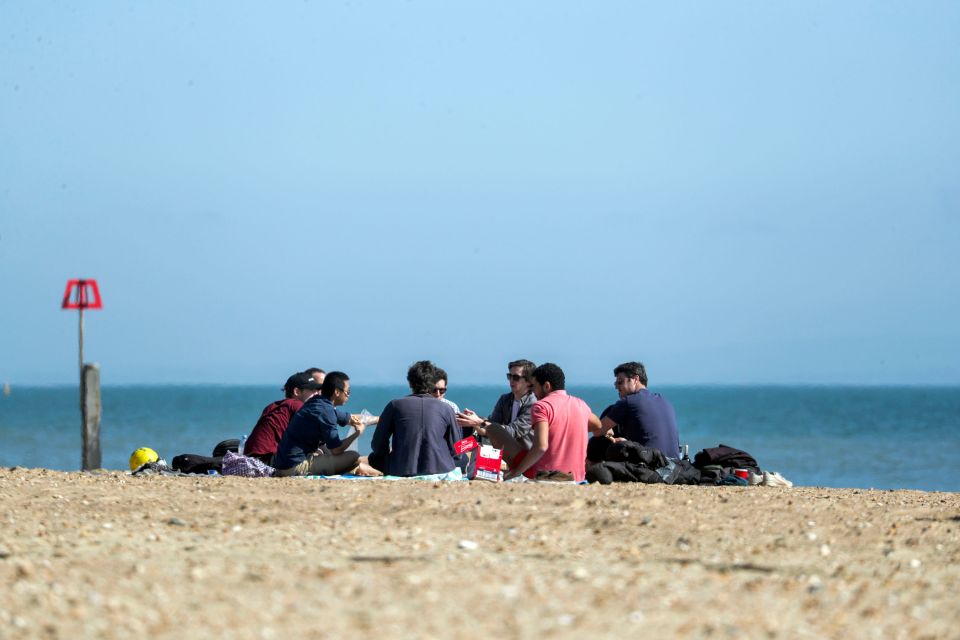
(439, 390)
(514, 377)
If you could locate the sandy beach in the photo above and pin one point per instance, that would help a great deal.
(110, 555)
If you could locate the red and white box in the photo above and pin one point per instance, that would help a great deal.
(488, 464)
(488, 459)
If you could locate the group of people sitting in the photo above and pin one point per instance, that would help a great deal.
(540, 428)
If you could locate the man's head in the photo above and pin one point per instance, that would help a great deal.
(300, 386)
(519, 376)
(336, 387)
(316, 373)
(630, 377)
(422, 377)
(547, 378)
(440, 386)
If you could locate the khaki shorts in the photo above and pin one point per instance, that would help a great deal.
(325, 464)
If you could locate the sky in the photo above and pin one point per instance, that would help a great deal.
(730, 192)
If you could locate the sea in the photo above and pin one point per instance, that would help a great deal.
(824, 436)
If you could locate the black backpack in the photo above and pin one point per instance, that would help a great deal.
(193, 463)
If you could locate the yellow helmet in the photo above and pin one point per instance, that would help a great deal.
(142, 456)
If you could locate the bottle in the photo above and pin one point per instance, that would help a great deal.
(243, 441)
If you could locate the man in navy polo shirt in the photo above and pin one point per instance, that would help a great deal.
(315, 424)
(641, 415)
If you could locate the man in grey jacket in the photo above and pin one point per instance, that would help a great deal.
(508, 426)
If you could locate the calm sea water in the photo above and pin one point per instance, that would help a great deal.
(867, 437)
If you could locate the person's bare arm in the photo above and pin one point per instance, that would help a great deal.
(346, 442)
(594, 425)
(606, 426)
(541, 443)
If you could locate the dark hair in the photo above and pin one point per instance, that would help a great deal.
(293, 382)
(549, 372)
(313, 370)
(528, 367)
(422, 376)
(333, 382)
(441, 375)
(632, 370)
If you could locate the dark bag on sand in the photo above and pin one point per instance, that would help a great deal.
(610, 472)
(683, 473)
(727, 457)
(227, 445)
(629, 451)
(193, 463)
(712, 474)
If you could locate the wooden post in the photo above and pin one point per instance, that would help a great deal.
(77, 296)
(90, 414)
(81, 353)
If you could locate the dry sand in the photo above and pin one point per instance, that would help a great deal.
(111, 555)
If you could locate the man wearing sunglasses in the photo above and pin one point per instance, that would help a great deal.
(508, 426)
(641, 415)
(440, 390)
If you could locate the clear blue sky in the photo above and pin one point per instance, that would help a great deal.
(736, 192)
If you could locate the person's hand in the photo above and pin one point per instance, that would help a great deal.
(356, 421)
(468, 418)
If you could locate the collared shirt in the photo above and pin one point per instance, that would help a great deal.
(315, 424)
(568, 419)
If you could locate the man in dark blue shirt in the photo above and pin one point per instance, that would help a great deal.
(315, 424)
(641, 416)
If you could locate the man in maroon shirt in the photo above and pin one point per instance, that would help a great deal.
(266, 435)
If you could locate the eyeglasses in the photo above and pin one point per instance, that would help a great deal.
(619, 382)
(514, 377)
(345, 392)
(439, 390)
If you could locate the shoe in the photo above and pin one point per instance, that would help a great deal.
(774, 479)
(551, 475)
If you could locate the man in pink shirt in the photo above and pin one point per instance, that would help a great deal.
(561, 426)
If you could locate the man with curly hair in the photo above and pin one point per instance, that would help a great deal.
(416, 433)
